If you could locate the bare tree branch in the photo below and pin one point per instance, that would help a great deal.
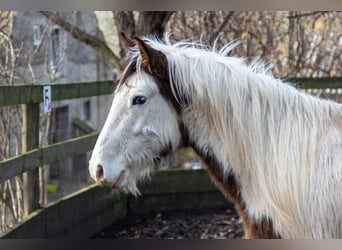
(222, 25)
(94, 42)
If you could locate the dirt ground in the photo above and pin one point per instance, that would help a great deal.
(214, 224)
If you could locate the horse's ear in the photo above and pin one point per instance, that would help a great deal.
(127, 43)
(152, 60)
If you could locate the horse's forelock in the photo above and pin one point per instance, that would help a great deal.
(129, 70)
(160, 74)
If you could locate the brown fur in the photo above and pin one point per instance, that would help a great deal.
(230, 188)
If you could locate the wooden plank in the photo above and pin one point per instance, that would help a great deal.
(316, 83)
(32, 159)
(188, 181)
(95, 203)
(30, 140)
(19, 94)
(80, 214)
(167, 202)
(83, 126)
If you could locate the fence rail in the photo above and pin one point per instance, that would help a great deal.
(27, 94)
(30, 160)
(32, 95)
(317, 83)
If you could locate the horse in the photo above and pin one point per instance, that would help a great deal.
(273, 150)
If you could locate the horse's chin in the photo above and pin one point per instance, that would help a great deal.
(127, 188)
(141, 172)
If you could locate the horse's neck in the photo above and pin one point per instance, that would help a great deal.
(272, 144)
(206, 141)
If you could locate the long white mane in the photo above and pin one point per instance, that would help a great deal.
(284, 146)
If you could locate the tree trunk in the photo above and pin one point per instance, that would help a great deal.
(152, 22)
(149, 22)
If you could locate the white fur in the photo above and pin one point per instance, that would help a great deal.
(284, 147)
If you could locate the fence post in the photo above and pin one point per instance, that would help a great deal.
(30, 140)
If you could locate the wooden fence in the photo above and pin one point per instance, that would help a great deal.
(33, 157)
(88, 211)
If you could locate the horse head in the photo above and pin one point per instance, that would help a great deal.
(142, 126)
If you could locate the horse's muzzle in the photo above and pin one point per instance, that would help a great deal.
(102, 181)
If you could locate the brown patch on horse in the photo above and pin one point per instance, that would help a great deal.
(263, 230)
(185, 140)
(166, 150)
(153, 60)
(231, 189)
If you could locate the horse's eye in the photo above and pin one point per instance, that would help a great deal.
(139, 100)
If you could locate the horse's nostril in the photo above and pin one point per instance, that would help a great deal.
(99, 173)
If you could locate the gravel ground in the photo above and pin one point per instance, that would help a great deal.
(218, 224)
